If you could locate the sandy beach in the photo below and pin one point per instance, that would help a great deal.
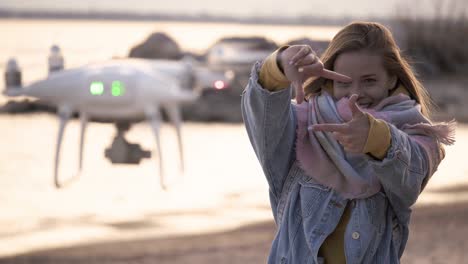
(215, 212)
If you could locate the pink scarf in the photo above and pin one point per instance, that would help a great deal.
(324, 160)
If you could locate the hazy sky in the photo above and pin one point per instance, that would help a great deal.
(333, 8)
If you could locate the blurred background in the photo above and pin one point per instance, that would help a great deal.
(218, 210)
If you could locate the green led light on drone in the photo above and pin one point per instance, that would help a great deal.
(96, 88)
(117, 88)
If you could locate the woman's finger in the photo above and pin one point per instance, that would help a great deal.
(300, 54)
(314, 69)
(343, 128)
(307, 60)
(345, 139)
(352, 149)
(355, 109)
(299, 91)
(339, 137)
(335, 76)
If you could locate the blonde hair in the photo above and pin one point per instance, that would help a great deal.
(373, 37)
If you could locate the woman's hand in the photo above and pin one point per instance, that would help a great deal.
(300, 63)
(351, 135)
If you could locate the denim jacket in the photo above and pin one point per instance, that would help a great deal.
(306, 212)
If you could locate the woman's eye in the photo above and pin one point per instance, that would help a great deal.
(369, 81)
(342, 84)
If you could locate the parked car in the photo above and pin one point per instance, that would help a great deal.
(236, 53)
(232, 58)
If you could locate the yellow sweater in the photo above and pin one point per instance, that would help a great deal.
(377, 143)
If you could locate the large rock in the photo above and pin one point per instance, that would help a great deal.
(254, 42)
(157, 46)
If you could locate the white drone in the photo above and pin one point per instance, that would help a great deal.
(119, 91)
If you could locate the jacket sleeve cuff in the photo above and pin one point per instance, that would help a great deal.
(271, 77)
(378, 138)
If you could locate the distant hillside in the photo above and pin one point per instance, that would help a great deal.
(301, 20)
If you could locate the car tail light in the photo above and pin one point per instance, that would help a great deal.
(219, 85)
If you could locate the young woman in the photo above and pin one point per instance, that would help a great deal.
(346, 161)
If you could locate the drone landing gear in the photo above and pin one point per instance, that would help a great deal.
(123, 152)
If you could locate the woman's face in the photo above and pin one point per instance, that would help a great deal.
(371, 81)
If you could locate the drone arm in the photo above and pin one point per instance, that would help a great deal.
(84, 123)
(64, 113)
(173, 112)
(154, 118)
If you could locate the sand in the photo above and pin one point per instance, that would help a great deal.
(215, 212)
